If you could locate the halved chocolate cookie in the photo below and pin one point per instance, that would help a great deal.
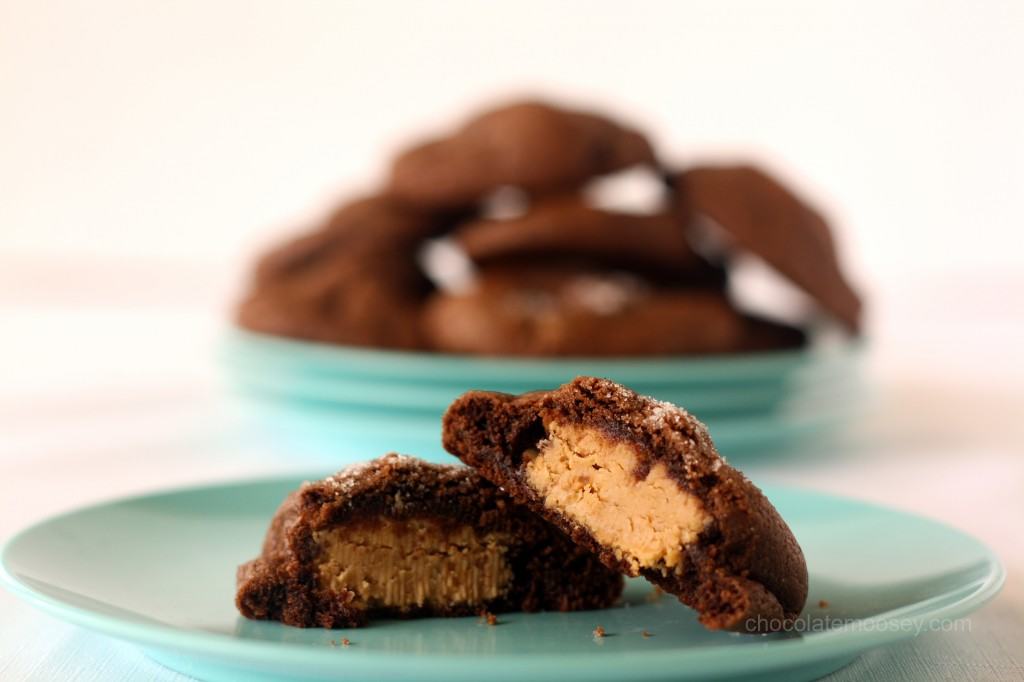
(532, 145)
(401, 537)
(639, 482)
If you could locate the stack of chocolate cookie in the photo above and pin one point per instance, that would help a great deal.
(556, 275)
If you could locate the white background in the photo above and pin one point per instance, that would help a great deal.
(147, 149)
(188, 130)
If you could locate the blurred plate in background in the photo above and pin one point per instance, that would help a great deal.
(317, 400)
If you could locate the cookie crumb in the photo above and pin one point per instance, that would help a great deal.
(645, 634)
(822, 604)
(599, 632)
(345, 642)
(654, 595)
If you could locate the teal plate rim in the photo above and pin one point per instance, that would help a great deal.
(833, 644)
(438, 367)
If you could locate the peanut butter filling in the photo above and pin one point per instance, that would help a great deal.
(590, 478)
(413, 562)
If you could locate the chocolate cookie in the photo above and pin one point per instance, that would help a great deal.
(353, 306)
(567, 228)
(639, 482)
(532, 145)
(767, 219)
(401, 537)
(570, 311)
(763, 334)
(355, 280)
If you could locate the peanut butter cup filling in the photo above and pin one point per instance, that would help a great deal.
(413, 562)
(592, 479)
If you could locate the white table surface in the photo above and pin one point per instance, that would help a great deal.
(100, 400)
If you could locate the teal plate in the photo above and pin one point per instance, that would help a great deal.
(819, 360)
(158, 571)
(319, 431)
(277, 382)
(314, 400)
